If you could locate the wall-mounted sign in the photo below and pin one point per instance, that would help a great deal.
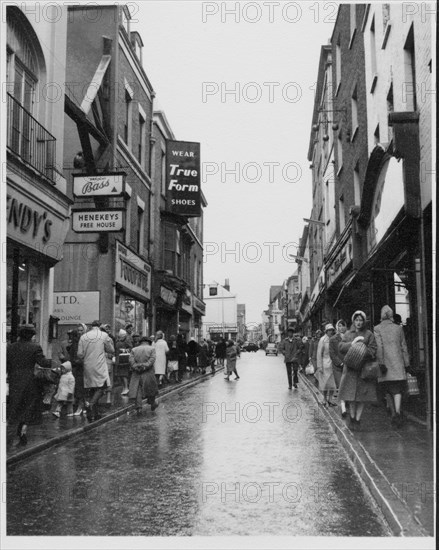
(168, 296)
(186, 302)
(76, 307)
(199, 305)
(132, 272)
(183, 192)
(97, 221)
(104, 185)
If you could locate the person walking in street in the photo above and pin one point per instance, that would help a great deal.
(92, 349)
(143, 382)
(161, 351)
(182, 357)
(203, 355)
(110, 364)
(304, 360)
(25, 392)
(313, 345)
(211, 355)
(231, 361)
(122, 354)
(393, 358)
(66, 390)
(352, 387)
(324, 372)
(291, 348)
(192, 355)
(77, 370)
(337, 359)
(220, 351)
(173, 358)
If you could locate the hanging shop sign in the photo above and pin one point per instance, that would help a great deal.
(199, 305)
(97, 221)
(104, 185)
(183, 191)
(132, 272)
(168, 296)
(76, 307)
(186, 302)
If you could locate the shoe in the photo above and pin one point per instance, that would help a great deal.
(290, 387)
(88, 412)
(154, 406)
(397, 420)
(125, 392)
(236, 378)
(78, 412)
(56, 413)
(344, 414)
(295, 386)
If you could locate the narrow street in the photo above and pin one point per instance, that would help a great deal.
(246, 457)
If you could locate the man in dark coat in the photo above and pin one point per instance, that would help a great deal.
(25, 392)
(292, 349)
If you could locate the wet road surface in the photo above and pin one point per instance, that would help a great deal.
(246, 457)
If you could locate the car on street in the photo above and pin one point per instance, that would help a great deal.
(271, 349)
(252, 347)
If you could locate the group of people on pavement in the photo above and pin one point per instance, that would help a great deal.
(85, 366)
(355, 364)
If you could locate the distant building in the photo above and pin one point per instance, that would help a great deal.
(221, 312)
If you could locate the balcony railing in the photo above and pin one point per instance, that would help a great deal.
(29, 140)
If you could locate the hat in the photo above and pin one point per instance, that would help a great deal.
(386, 313)
(361, 313)
(95, 323)
(67, 365)
(146, 339)
(290, 330)
(27, 329)
(172, 338)
(329, 326)
(122, 333)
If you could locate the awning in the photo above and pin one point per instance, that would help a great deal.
(345, 286)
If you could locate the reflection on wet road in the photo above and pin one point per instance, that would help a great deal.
(246, 457)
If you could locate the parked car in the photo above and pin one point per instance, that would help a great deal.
(252, 347)
(271, 349)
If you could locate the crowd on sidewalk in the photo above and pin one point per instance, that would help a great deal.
(86, 367)
(356, 365)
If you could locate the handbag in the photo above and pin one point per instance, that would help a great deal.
(356, 356)
(44, 374)
(370, 371)
(412, 385)
(309, 369)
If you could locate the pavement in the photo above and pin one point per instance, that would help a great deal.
(396, 465)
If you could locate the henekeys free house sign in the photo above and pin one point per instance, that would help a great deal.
(183, 194)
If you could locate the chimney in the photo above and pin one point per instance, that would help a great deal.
(227, 285)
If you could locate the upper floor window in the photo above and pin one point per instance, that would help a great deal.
(409, 84)
(354, 113)
(353, 22)
(142, 138)
(172, 256)
(338, 65)
(128, 121)
(386, 23)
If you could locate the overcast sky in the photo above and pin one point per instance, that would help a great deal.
(185, 56)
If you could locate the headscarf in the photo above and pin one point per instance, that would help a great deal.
(359, 312)
(386, 313)
(122, 333)
(84, 326)
(339, 323)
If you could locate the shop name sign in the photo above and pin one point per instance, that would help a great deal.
(92, 221)
(104, 185)
(76, 307)
(183, 192)
(168, 296)
(133, 273)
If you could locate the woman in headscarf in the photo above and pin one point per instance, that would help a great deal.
(161, 350)
(393, 358)
(337, 358)
(352, 387)
(324, 372)
(122, 354)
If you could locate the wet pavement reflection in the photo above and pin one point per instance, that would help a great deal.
(246, 457)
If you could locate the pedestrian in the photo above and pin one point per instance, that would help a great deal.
(122, 354)
(143, 382)
(92, 348)
(161, 349)
(305, 353)
(66, 390)
(291, 347)
(25, 391)
(77, 370)
(324, 372)
(231, 360)
(203, 355)
(182, 356)
(313, 345)
(393, 358)
(337, 358)
(211, 353)
(220, 351)
(129, 339)
(192, 355)
(352, 387)
(173, 358)
(109, 356)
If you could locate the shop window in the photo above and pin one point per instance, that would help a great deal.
(172, 255)
(128, 310)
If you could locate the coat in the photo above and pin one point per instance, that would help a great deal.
(391, 350)
(292, 350)
(203, 356)
(92, 348)
(336, 357)
(25, 399)
(145, 355)
(231, 359)
(324, 372)
(352, 387)
(161, 349)
(220, 350)
(66, 388)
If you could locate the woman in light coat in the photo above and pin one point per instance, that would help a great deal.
(337, 358)
(393, 357)
(352, 387)
(324, 372)
(161, 349)
(143, 383)
(231, 361)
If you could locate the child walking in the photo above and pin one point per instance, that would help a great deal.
(66, 390)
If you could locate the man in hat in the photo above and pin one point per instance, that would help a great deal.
(291, 347)
(143, 383)
(92, 349)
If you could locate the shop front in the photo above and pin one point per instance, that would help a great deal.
(185, 316)
(133, 291)
(199, 310)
